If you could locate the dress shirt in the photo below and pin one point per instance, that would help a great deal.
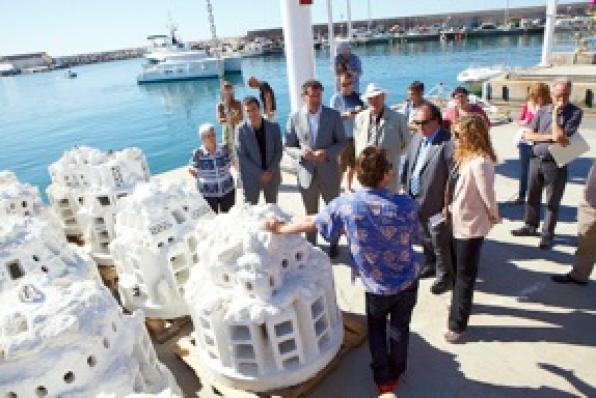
(420, 160)
(314, 119)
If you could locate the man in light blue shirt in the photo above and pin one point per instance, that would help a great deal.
(348, 103)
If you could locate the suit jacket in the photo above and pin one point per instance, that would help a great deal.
(331, 137)
(474, 199)
(394, 136)
(434, 174)
(249, 154)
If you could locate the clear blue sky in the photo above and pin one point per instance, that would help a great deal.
(63, 27)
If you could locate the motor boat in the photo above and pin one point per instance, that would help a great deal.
(169, 59)
(473, 77)
(262, 47)
(70, 74)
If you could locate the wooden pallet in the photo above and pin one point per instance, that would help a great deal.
(162, 330)
(354, 335)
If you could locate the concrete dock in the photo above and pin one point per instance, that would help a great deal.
(528, 337)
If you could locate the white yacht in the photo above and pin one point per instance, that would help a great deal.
(473, 77)
(171, 59)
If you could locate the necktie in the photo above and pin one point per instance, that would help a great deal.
(415, 179)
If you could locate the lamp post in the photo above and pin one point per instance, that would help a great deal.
(549, 32)
(299, 46)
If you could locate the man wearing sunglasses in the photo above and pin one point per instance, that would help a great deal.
(424, 177)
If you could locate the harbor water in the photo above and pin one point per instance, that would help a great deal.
(42, 115)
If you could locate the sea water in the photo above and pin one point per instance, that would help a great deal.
(42, 115)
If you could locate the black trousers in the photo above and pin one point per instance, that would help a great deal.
(223, 203)
(437, 247)
(545, 174)
(389, 359)
(467, 253)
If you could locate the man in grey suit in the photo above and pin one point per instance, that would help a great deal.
(315, 138)
(425, 176)
(382, 127)
(259, 151)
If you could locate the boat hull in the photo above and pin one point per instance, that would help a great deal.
(206, 69)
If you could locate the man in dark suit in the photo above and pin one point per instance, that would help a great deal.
(315, 138)
(424, 177)
(259, 151)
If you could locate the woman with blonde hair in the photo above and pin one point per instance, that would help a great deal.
(538, 96)
(473, 213)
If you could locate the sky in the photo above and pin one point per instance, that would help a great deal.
(64, 27)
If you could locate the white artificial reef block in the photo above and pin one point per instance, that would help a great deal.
(17, 198)
(155, 246)
(263, 305)
(86, 186)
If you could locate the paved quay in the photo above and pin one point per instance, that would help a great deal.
(528, 337)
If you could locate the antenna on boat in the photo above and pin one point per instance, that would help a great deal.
(215, 40)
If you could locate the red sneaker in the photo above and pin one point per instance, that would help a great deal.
(387, 387)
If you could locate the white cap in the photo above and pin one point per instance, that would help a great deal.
(372, 90)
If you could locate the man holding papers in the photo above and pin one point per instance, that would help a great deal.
(552, 124)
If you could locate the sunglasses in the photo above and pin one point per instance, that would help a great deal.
(422, 122)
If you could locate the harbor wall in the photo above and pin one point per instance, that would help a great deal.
(450, 19)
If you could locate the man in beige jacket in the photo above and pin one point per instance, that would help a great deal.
(585, 255)
(381, 127)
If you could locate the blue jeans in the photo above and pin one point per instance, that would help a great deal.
(389, 360)
(525, 151)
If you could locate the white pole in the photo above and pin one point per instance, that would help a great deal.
(330, 35)
(299, 47)
(369, 16)
(349, 15)
(549, 32)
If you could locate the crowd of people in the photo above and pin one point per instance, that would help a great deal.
(426, 177)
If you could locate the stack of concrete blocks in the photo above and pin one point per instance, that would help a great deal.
(86, 186)
(62, 334)
(17, 198)
(156, 246)
(263, 305)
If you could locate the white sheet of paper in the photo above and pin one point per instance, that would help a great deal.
(565, 154)
(436, 219)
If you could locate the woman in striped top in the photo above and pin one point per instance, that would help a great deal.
(210, 165)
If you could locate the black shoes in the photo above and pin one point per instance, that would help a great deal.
(526, 230)
(546, 242)
(566, 278)
(440, 287)
(333, 250)
(427, 272)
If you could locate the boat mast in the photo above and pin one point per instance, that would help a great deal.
(349, 16)
(506, 14)
(369, 16)
(330, 34)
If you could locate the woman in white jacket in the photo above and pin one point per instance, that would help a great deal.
(473, 213)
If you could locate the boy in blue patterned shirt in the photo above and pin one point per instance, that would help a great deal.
(381, 228)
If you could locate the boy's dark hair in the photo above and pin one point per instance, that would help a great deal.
(459, 90)
(371, 166)
(249, 99)
(313, 84)
(416, 86)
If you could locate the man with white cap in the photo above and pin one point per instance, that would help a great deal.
(381, 127)
(346, 61)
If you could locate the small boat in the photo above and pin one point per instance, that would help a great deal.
(262, 47)
(473, 77)
(70, 74)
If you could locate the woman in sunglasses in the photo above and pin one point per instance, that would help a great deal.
(473, 213)
(462, 107)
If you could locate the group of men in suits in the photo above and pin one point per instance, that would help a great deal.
(315, 138)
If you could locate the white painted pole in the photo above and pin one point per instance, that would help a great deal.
(349, 15)
(299, 47)
(549, 32)
(330, 35)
